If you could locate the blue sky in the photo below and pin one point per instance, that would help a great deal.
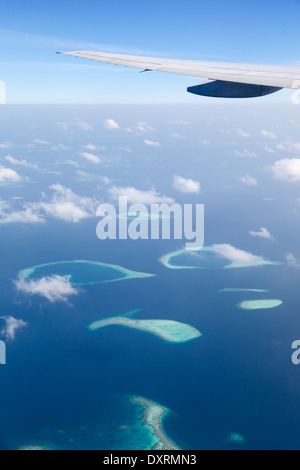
(31, 31)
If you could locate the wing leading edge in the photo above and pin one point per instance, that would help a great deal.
(225, 80)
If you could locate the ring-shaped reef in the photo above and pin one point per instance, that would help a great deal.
(208, 258)
(82, 272)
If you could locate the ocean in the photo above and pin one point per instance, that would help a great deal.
(233, 387)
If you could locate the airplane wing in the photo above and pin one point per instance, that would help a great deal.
(225, 80)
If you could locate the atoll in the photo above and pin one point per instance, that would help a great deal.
(260, 304)
(234, 289)
(167, 330)
(153, 416)
(82, 272)
(213, 257)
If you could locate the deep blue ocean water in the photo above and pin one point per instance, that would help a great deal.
(65, 386)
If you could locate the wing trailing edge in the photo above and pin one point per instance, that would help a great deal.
(226, 80)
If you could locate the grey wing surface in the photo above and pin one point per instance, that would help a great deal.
(226, 80)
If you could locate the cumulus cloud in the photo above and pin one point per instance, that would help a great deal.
(268, 134)
(76, 123)
(6, 145)
(292, 261)
(242, 133)
(11, 326)
(151, 143)
(186, 185)
(141, 127)
(287, 169)
(82, 124)
(4, 206)
(269, 149)
(289, 146)
(249, 180)
(64, 204)
(7, 175)
(245, 154)
(175, 135)
(25, 216)
(58, 147)
(90, 147)
(263, 233)
(24, 163)
(237, 256)
(54, 288)
(141, 197)
(41, 142)
(91, 157)
(110, 124)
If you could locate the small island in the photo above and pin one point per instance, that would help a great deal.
(260, 304)
(236, 289)
(168, 330)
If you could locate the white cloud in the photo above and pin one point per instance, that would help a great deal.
(141, 127)
(269, 149)
(263, 233)
(11, 326)
(6, 145)
(26, 216)
(246, 154)
(110, 124)
(151, 143)
(7, 175)
(82, 124)
(175, 135)
(58, 147)
(268, 134)
(287, 169)
(3, 206)
(64, 204)
(54, 288)
(237, 256)
(23, 163)
(91, 157)
(289, 146)
(186, 185)
(292, 261)
(249, 180)
(76, 123)
(90, 147)
(41, 142)
(242, 133)
(142, 197)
